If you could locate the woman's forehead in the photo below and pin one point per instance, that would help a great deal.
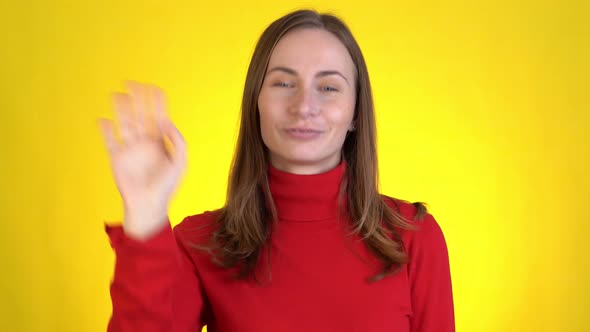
(311, 49)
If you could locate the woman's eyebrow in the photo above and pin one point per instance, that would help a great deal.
(319, 74)
(330, 72)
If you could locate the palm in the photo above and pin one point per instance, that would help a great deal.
(140, 169)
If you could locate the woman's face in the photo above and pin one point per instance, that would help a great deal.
(307, 101)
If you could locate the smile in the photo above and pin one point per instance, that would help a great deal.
(303, 133)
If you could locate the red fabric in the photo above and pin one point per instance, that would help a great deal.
(317, 279)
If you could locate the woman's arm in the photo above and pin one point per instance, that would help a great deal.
(155, 287)
(430, 279)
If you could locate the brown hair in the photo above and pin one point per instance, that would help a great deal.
(244, 223)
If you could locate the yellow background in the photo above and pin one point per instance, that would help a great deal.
(482, 107)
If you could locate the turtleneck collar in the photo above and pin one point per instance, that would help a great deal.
(306, 197)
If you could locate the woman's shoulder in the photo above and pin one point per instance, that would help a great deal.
(425, 227)
(197, 228)
(412, 212)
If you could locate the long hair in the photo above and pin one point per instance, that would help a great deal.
(244, 224)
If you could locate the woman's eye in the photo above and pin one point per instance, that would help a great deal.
(328, 88)
(281, 84)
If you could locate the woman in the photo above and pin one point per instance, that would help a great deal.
(304, 242)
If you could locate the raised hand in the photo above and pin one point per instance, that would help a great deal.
(145, 167)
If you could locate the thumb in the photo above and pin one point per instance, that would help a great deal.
(178, 155)
(108, 134)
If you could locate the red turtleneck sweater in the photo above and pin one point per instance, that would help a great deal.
(319, 274)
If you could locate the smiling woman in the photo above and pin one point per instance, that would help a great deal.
(305, 242)
(307, 101)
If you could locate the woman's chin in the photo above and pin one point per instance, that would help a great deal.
(304, 162)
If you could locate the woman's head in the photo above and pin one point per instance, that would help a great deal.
(306, 102)
(307, 96)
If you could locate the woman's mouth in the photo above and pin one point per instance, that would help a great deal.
(303, 133)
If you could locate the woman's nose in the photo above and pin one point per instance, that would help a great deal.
(304, 103)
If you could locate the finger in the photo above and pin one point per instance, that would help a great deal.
(123, 109)
(178, 155)
(150, 122)
(108, 134)
(160, 108)
(139, 105)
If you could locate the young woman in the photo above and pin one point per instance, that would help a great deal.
(305, 242)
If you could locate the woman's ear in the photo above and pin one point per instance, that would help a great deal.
(352, 126)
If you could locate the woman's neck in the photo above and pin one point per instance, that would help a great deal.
(302, 197)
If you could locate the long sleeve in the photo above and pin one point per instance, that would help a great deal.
(155, 287)
(430, 279)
